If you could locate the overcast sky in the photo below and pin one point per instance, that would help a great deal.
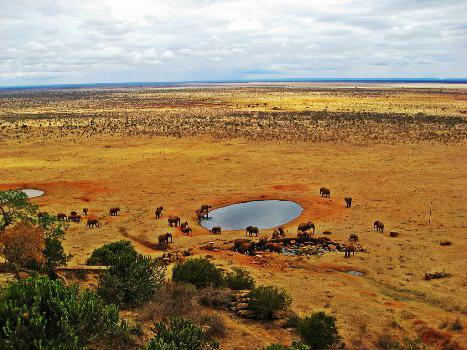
(80, 41)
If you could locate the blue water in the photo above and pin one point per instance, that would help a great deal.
(262, 214)
(285, 80)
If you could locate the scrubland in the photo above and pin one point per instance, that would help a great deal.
(400, 153)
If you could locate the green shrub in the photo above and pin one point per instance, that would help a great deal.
(294, 346)
(108, 253)
(39, 313)
(199, 272)
(131, 280)
(54, 254)
(180, 334)
(264, 301)
(239, 279)
(319, 330)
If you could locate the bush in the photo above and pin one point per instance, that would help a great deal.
(294, 346)
(177, 299)
(215, 297)
(24, 245)
(39, 313)
(387, 342)
(264, 301)
(131, 280)
(108, 253)
(213, 326)
(239, 279)
(199, 272)
(319, 330)
(54, 254)
(179, 334)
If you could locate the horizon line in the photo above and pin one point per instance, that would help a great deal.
(234, 81)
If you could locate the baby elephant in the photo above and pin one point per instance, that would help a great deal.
(378, 226)
(92, 223)
(325, 192)
(158, 212)
(216, 230)
(114, 211)
(348, 202)
(174, 220)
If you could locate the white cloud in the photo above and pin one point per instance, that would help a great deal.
(151, 40)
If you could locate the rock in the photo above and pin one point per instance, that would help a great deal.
(445, 243)
(393, 234)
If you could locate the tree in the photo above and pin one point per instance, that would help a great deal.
(39, 313)
(264, 301)
(110, 252)
(319, 330)
(199, 272)
(131, 280)
(15, 206)
(23, 245)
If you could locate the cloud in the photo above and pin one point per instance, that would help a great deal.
(79, 41)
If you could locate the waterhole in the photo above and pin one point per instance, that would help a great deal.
(263, 214)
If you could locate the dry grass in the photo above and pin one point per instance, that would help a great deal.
(372, 145)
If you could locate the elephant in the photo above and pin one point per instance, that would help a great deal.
(92, 223)
(42, 214)
(349, 248)
(158, 212)
(199, 216)
(306, 226)
(252, 230)
(216, 230)
(184, 225)
(74, 218)
(378, 226)
(174, 220)
(247, 248)
(239, 241)
(325, 192)
(61, 217)
(114, 211)
(186, 230)
(281, 231)
(261, 245)
(164, 239)
(85, 211)
(348, 202)
(275, 234)
(353, 237)
(303, 236)
(273, 247)
(73, 213)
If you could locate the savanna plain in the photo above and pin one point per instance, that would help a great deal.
(399, 151)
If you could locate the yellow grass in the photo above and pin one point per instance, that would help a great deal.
(389, 180)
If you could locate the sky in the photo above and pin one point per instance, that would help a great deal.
(89, 41)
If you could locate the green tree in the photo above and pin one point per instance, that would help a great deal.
(39, 313)
(319, 330)
(110, 252)
(264, 301)
(132, 280)
(15, 206)
(199, 272)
